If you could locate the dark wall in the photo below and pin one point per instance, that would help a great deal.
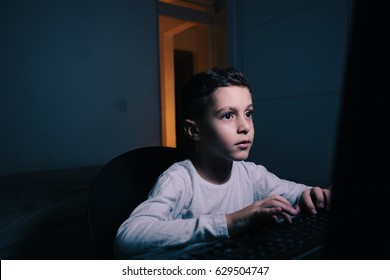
(293, 53)
(79, 82)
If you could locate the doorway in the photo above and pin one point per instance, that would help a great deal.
(189, 36)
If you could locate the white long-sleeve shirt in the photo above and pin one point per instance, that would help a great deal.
(183, 208)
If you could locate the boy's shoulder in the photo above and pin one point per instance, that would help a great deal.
(180, 166)
(179, 170)
(175, 179)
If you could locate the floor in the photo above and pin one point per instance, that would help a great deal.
(43, 215)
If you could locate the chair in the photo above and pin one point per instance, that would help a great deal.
(120, 186)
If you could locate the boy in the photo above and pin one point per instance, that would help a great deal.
(215, 194)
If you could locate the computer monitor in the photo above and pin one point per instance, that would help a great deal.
(360, 206)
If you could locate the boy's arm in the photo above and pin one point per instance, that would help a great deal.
(158, 222)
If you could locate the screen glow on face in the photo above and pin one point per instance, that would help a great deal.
(227, 127)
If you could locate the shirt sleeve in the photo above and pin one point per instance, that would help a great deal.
(268, 184)
(158, 222)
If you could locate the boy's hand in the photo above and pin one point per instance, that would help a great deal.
(260, 211)
(313, 199)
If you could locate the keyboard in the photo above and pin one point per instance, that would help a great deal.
(303, 239)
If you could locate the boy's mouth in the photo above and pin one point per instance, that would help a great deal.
(244, 144)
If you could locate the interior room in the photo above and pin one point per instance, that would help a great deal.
(83, 82)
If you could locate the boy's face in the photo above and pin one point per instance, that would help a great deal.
(226, 129)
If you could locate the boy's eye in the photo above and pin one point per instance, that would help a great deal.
(249, 114)
(227, 116)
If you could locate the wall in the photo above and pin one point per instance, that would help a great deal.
(293, 53)
(79, 82)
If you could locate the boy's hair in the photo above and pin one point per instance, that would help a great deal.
(196, 93)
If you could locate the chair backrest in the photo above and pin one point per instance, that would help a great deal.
(122, 184)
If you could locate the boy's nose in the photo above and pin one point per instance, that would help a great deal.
(243, 125)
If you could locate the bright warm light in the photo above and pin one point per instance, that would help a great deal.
(181, 35)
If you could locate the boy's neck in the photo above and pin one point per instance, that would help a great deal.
(213, 170)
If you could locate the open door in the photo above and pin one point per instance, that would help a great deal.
(190, 32)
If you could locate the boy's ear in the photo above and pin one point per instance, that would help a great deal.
(191, 129)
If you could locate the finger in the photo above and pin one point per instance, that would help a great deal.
(286, 217)
(279, 216)
(273, 213)
(307, 202)
(317, 196)
(285, 208)
(279, 201)
(297, 208)
(327, 196)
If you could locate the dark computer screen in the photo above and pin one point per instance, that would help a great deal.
(359, 219)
